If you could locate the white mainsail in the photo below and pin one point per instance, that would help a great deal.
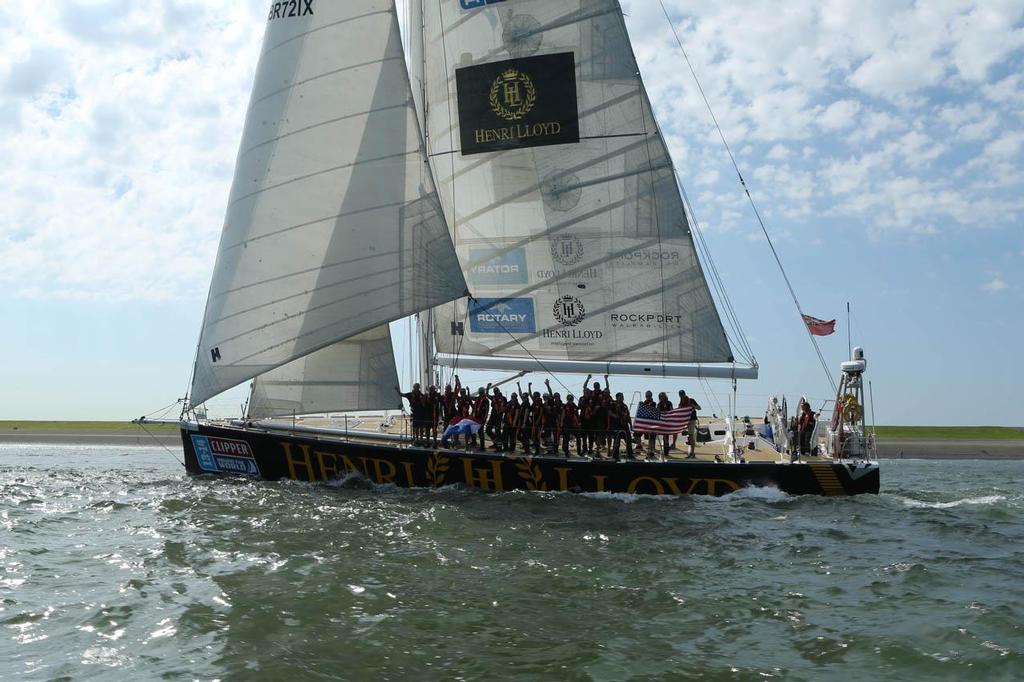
(332, 226)
(559, 190)
(355, 374)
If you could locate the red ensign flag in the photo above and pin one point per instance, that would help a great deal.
(819, 327)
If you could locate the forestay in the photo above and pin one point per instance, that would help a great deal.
(355, 374)
(332, 229)
(559, 189)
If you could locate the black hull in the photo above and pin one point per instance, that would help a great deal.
(276, 455)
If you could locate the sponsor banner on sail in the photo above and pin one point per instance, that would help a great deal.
(571, 326)
(477, 4)
(488, 267)
(517, 103)
(502, 316)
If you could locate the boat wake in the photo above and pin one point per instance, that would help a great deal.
(763, 493)
(976, 501)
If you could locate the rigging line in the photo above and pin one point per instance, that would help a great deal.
(160, 443)
(709, 393)
(532, 356)
(457, 348)
(746, 190)
(650, 168)
(717, 281)
(163, 409)
(744, 346)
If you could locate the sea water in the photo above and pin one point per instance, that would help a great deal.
(116, 565)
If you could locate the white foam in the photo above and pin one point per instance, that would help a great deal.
(764, 493)
(984, 500)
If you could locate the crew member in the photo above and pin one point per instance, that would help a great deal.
(417, 405)
(691, 428)
(648, 401)
(495, 421)
(620, 422)
(807, 422)
(664, 405)
(569, 426)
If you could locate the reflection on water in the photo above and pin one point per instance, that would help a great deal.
(114, 564)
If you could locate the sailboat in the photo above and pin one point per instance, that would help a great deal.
(509, 186)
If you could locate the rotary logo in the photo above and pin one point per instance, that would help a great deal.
(512, 95)
(569, 311)
(567, 250)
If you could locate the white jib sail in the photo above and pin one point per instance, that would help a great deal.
(559, 189)
(331, 227)
(355, 374)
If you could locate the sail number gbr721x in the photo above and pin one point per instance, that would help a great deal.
(292, 8)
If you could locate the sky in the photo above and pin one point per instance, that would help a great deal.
(883, 141)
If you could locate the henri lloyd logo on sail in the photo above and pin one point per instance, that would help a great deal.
(516, 103)
(502, 316)
(569, 311)
(567, 249)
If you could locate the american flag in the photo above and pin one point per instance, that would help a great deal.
(649, 419)
(819, 327)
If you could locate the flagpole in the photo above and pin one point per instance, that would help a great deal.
(849, 343)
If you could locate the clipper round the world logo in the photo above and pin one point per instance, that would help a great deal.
(515, 103)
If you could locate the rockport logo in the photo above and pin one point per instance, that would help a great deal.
(645, 320)
(569, 311)
(650, 256)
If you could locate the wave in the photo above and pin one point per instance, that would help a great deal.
(978, 501)
(767, 493)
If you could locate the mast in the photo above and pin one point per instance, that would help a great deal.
(424, 320)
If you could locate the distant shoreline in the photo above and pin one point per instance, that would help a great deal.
(950, 449)
(888, 448)
(97, 437)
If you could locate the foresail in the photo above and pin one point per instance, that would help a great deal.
(355, 374)
(332, 228)
(559, 189)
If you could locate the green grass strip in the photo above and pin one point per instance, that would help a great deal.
(83, 427)
(949, 433)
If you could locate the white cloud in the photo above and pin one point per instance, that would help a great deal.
(118, 161)
(1006, 145)
(985, 35)
(840, 115)
(778, 152)
(120, 122)
(994, 285)
(1008, 90)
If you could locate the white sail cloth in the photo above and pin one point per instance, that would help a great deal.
(559, 189)
(355, 374)
(332, 228)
